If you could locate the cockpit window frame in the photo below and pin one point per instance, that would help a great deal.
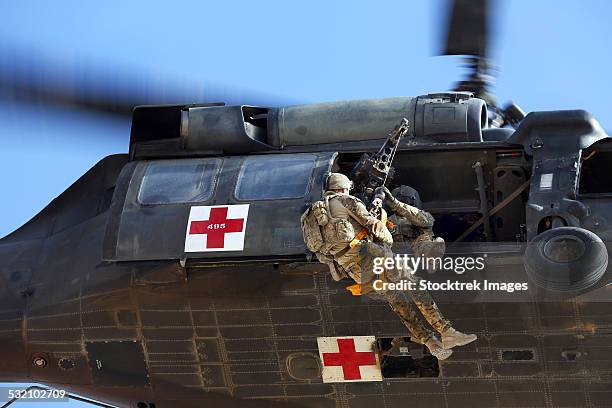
(211, 191)
(254, 159)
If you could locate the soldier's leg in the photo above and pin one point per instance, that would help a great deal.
(450, 336)
(424, 302)
(409, 316)
(421, 298)
(418, 332)
(358, 262)
(351, 263)
(428, 307)
(425, 245)
(402, 306)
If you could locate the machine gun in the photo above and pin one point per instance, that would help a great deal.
(368, 176)
(372, 171)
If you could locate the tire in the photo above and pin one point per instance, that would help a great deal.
(566, 260)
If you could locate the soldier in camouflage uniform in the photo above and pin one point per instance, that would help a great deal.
(358, 263)
(413, 225)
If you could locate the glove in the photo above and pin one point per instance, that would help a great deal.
(384, 192)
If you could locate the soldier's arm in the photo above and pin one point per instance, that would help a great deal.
(359, 212)
(413, 215)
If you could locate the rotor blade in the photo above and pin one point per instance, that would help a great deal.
(28, 76)
(30, 91)
(468, 30)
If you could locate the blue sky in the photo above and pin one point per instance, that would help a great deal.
(552, 54)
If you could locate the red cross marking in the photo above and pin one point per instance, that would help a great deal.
(349, 359)
(216, 227)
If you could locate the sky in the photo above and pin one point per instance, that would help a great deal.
(551, 54)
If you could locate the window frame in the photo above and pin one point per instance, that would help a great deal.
(245, 162)
(217, 171)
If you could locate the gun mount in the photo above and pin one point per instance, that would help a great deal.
(372, 171)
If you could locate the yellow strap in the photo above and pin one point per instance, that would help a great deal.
(382, 216)
(360, 235)
(357, 288)
(354, 289)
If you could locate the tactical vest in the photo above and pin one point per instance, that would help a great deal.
(322, 232)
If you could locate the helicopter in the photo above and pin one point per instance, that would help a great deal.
(177, 275)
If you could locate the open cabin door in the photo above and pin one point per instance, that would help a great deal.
(238, 207)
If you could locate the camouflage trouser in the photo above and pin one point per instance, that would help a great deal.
(362, 273)
(402, 306)
(421, 243)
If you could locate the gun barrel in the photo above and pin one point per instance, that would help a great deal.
(372, 172)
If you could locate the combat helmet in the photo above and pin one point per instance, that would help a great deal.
(338, 181)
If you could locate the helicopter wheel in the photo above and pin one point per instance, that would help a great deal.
(566, 260)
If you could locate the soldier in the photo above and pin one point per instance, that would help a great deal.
(412, 224)
(357, 261)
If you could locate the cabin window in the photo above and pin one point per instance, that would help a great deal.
(274, 177)
(179, 181)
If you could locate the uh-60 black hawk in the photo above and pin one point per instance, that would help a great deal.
(177, 275)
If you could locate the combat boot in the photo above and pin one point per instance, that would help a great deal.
(452, 338)
(436, 349)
